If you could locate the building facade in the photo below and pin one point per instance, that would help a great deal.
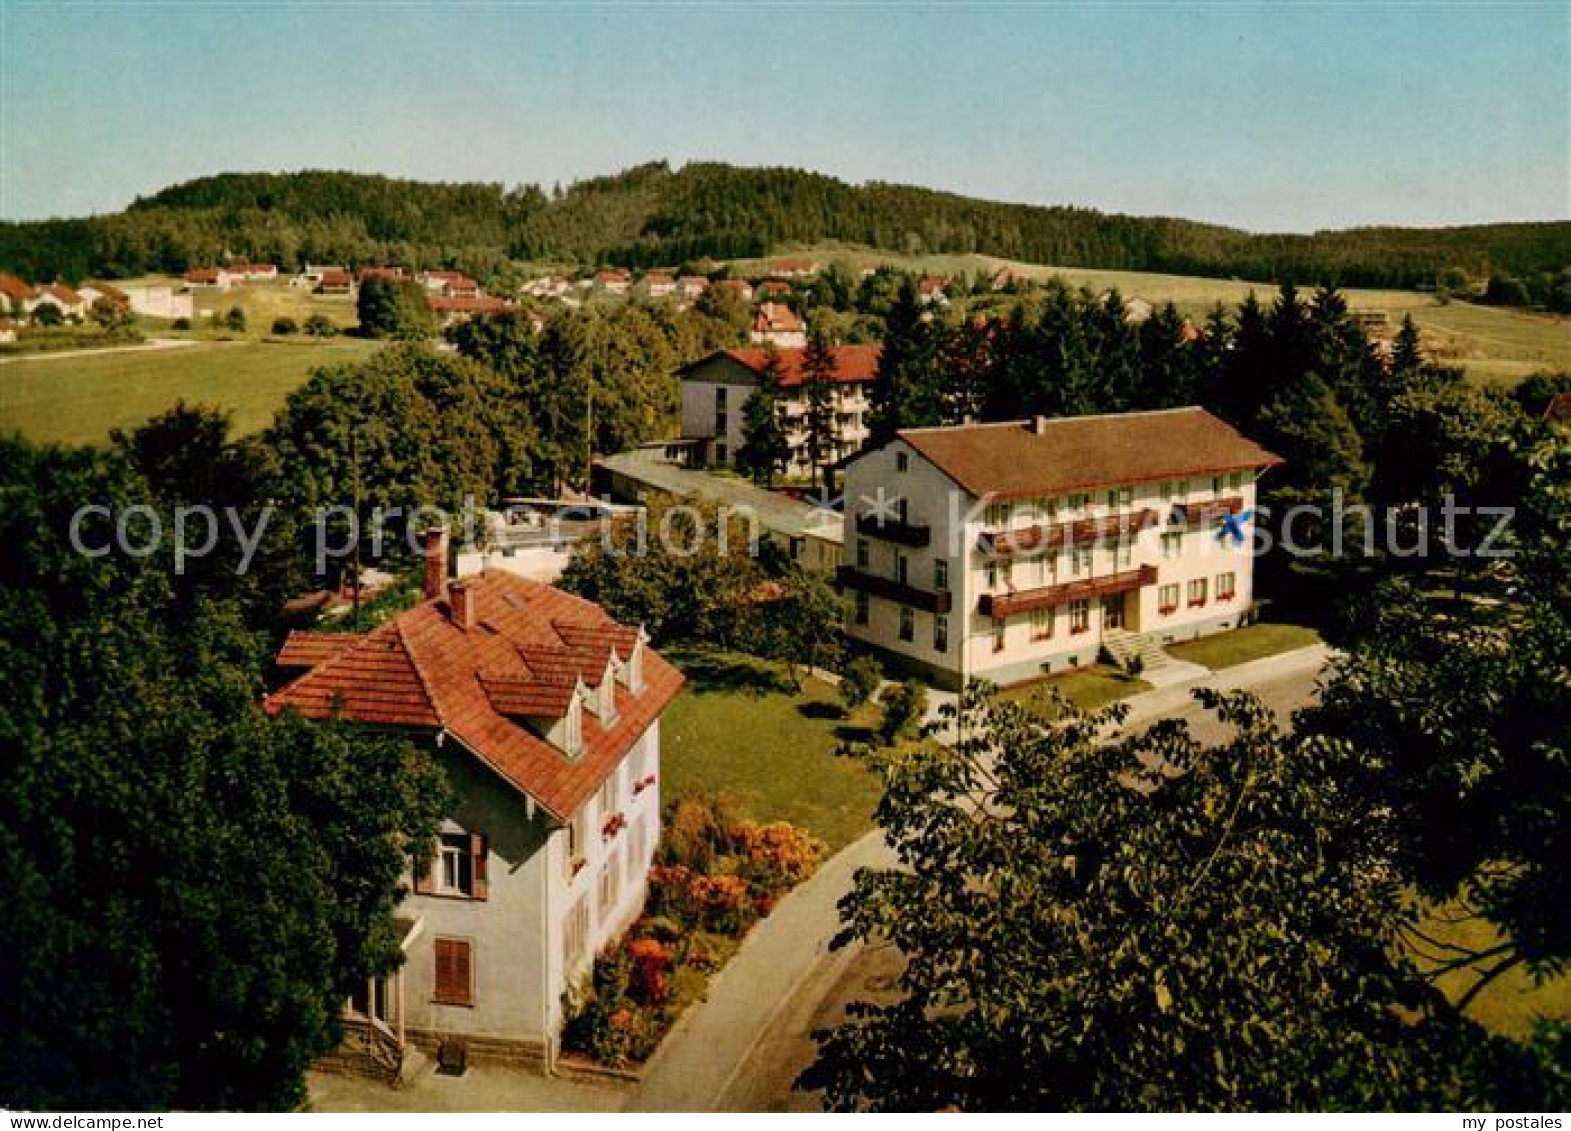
(715, 390)
(545, 715)
(1012, 551)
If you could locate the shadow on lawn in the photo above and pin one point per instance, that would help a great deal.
(814, 710)
(706, 672)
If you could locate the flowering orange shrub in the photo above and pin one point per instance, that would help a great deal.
(652, 964)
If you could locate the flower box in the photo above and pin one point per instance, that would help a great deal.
(577, 865)
(614, 824)
(1167, 610)
(1197, 604)
(644, 783)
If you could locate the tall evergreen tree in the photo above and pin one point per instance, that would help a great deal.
(818, 389)
(905, 391)
(765, 449)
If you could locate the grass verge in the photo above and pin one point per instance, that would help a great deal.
(1252, 642)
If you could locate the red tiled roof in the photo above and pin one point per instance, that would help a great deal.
(852, 363)
(108, 290)
(14, 288)
(480, 304)
(530, 646)
(333, 277)
(777, 317)
(63, 293)
(308, 649)
(1019, 460)
(202, 275)
(381, 273)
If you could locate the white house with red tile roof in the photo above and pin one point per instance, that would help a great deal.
(659, 284)
(778, 323)
(545, 714)
(715, 390)
(614, 279)
(691, 286)
(16, 295)
(62, 298)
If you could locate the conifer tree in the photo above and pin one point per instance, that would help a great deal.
(818, 378)
(765, 449)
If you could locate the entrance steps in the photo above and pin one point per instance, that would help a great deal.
(1141, 654)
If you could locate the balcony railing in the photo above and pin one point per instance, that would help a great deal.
(1193, 515)
(1049, 596)
(892, 590)
(916, 535)
(1051, 536)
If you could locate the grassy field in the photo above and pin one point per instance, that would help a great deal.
(738, 729)
(263, 302)
(1229, 649)
(1508, 1005)
(77, 400)
(1087, 689)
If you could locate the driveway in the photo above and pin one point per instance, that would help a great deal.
(743, 1048)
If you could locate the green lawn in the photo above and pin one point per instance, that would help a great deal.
(736, 729)
(77, 400)
(1087, 689)
(263, 302)
(1508, 1005)
(1228, 649)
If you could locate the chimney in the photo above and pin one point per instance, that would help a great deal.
(1039, 425)
(434, 542)
(461, 604)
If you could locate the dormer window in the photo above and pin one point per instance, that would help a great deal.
(631, 673)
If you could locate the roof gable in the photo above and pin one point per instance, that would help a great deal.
(531, 648)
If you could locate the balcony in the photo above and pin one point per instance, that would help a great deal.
(892, 590)
(1037, 539)
(1049, 596)
(910, 534)
(1196, 515)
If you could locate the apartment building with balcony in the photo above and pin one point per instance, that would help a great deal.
(1011, 551)
(715, 390)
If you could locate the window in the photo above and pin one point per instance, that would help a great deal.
(798, 543)
(998, 634)
(1226, 586)
(861, 553)
(575, 933)
(992, 575)
(997, 514)
(577, 842)
(1167, 599)
(1120, 497)
(573, 727)
(903, 510)
(1123, 552)
(902, 461)
(1172, 543)
(721, 424)
(1235, 480)
(1197, 592)
(940, 575)
(907, 624)
(1079, 615)
(1167, 492)
(1216, 484)
(610, 885)
(459, 869)
(861, 608)
(901, 566)
(1079, 502)
(610, 796)
(940, 633)
(721, 392)
(455, 974)
(1041, 624)
(720, 450)
(1079, 561)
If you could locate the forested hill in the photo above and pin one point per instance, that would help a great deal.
(652, 215)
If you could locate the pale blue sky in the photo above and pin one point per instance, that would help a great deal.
(1281, 118)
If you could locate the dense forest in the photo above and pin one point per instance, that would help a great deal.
(653, 215)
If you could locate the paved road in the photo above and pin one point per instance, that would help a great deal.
(748, 1043)
(60, 355)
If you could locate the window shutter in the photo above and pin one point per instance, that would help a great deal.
(422, 878)
(479, 849)
(452, 971)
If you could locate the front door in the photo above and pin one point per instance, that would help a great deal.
(1113, 611)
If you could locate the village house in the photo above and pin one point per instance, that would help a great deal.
(16, 296)
(715, 390)
(450, 311)
(773, 289)
(739, 287)
(931, 289)
(1012, 551)
(545, 715)
(692, 286)
(794, 268)
(207, 277)
(777, 323)
(659, 285)
(95, 289)
(7, 331)
(159, 300)
(68, 302)
(451, 284)
(334, 281)
(241, 271)
(616, 280)
(388, 274)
